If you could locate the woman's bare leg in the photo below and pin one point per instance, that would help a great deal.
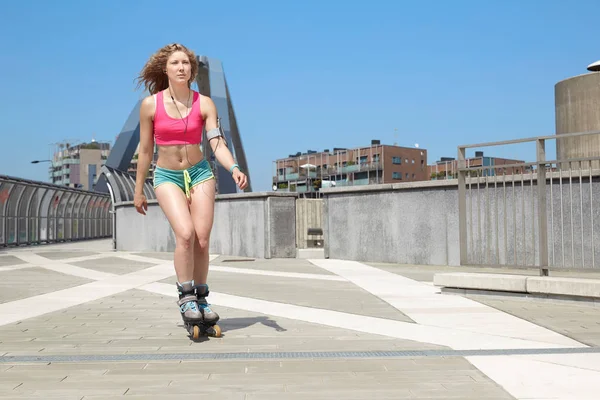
(174, 204)
(202, 211)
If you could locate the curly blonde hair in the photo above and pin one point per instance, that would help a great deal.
(153, 76)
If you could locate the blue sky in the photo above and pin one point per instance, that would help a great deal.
(302, 74)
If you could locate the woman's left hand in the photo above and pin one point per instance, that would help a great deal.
(240, 178)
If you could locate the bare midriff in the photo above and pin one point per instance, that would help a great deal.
(176, 157)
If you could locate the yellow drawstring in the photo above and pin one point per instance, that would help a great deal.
(187, 180)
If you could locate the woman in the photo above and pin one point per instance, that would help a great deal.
(173, 117)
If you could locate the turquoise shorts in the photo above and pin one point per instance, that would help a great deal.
(186, 179)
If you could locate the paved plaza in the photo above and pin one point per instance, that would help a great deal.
(80, 321)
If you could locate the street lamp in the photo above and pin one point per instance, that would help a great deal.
(50, 168)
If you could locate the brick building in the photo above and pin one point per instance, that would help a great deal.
(447, 167)
(367, 165)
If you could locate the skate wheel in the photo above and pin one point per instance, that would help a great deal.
(196, 332)
(217, 331)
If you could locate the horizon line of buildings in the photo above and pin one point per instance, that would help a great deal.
(307, 172)
(78, 165)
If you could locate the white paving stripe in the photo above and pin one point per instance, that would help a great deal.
(583, 361)
(301, 275)
(529, 377)
(84, 258)
(18, 266)
(360, 323)
(525, 378)
(246, 271)
(426, 306)
(30, 307)
(60, 266)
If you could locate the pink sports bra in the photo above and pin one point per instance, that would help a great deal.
(169, 130)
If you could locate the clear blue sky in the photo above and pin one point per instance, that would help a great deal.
(302, 74)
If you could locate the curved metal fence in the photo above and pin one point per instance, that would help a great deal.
(121, 186)
(36, 212)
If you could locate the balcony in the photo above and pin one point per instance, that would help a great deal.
(329, 171)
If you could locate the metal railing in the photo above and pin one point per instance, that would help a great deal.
(35, 212)
(121, 185)
(533, 214)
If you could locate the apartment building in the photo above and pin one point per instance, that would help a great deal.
(367, 165)
(78, 165)
(447, 167)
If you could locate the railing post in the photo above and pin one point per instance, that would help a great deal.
(542, 217)
(462, 205)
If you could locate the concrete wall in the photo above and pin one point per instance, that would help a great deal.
(410, 223)
(417, 223)
(135, 232)
(260, 225)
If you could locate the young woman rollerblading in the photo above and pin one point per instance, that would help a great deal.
(173, 117)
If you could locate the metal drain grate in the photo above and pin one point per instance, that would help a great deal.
(295, 355)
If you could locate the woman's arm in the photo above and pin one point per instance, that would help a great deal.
(145, 153)
(219, 146)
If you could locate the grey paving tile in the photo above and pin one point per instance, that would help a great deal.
(576, 320)
(64, 387)
(8, 385)
(58, 396)
(339, 296)
(161, 256)
(326, 394)
(22, 283)
(139, 322)
(220, 390)
(7, 259)
(114, 265)
(273, 264)
(64, 254)
(129, 396)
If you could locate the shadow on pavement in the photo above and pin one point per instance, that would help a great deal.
(230, 324)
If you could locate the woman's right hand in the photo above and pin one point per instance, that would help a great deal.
(140, 203)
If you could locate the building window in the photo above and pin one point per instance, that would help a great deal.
(397, 175)
(396, 160)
